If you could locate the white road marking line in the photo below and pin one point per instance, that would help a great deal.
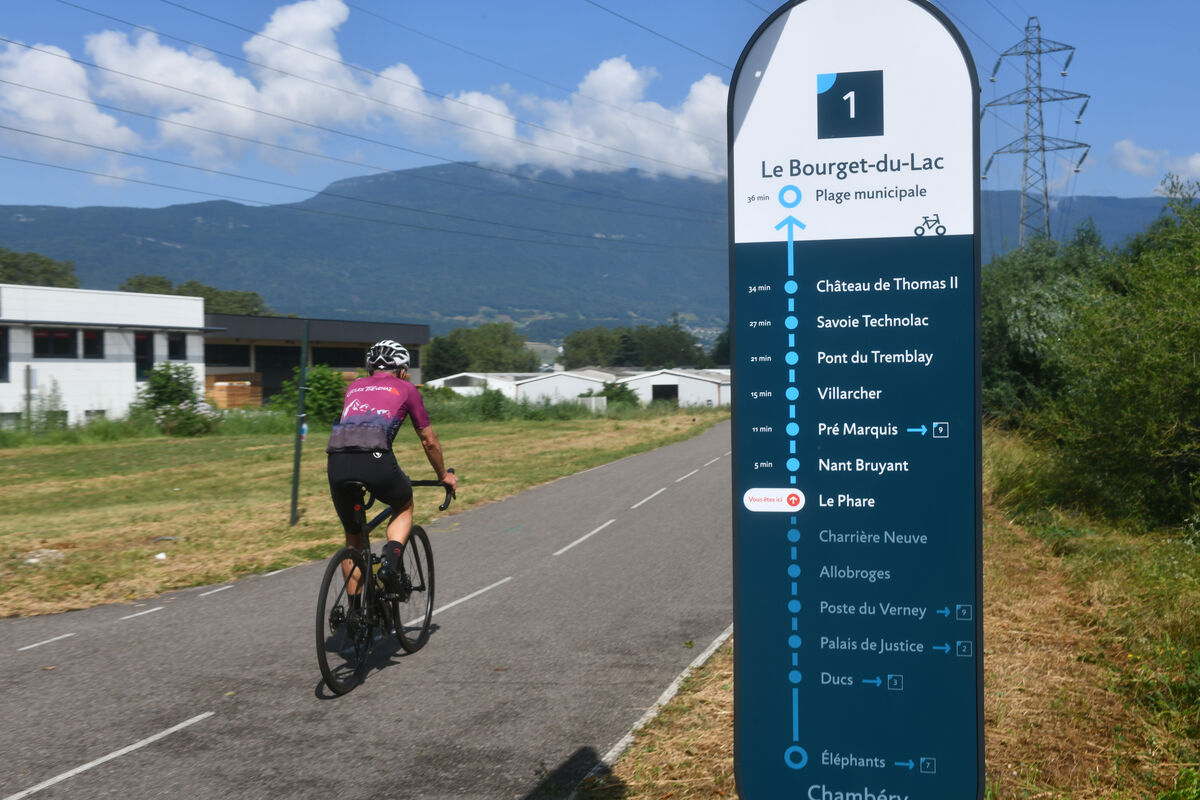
(471, 596)
(728, 453)
(276, 572)
(582, 538)
(141, 613)
(47, 641)
(214, 591)
(621, 746)
(647, 499)
(712, 461)
(685, 477)
(115, 754)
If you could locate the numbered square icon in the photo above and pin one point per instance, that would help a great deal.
(964, 613)
(941, 430)
(928, 766)
(850, 104)
(965, 649)
(895, 683)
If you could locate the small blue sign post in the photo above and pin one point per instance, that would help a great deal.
(854, 285)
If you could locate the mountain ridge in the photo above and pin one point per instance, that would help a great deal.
(460, 244)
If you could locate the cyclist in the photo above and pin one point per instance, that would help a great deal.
(360, 446)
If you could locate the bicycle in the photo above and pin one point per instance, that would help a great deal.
(354, 611)
(933, 223)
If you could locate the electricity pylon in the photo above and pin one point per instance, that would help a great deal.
(1035, 194)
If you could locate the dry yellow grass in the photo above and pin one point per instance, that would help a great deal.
(1054, 725)
(95, 516)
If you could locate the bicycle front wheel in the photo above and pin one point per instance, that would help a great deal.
(344, 634)
(414, 607)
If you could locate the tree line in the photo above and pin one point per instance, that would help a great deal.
(34, 269)
(1095, 352)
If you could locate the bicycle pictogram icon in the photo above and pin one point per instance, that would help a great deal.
(932, 223)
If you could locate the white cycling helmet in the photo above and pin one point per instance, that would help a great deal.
(387, 355)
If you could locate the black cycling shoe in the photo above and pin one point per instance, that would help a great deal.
(392, 583)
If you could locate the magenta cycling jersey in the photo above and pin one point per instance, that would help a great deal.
(375, 409)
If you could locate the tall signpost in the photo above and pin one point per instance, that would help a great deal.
(854, 285)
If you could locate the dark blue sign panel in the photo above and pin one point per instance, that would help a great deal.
(855, 306)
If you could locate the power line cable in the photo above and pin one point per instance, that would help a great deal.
(327, 213)
(326, 192)
(1005, 16)
(362, 164)
(659, 35)
(530, 75)
(327, 129)
(369, 98)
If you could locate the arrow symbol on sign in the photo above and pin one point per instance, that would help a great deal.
(791, 222)
(921, 430)
(877, 681)
(945, 612)
(945, 648)
(909, 764)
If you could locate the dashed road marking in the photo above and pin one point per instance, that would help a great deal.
(647, 499)
(582, 538)
(685, 477)
(45, 641)
(214, 591)
(115, 754)
(143, 613)
(471, 596)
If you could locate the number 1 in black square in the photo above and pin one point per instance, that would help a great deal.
(850, 104)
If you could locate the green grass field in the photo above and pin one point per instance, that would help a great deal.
(83, 523)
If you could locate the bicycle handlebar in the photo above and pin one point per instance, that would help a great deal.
(450, 493)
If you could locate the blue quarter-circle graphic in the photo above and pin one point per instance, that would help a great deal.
(825, 82)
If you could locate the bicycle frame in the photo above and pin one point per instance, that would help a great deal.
(368, 590)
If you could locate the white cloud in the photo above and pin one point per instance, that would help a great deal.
(608, 124)
(53, 115)
(1126, 155)
(1186, 166)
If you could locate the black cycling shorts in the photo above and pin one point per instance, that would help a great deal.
(378, 470)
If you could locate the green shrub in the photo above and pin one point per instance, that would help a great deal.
(1026, 299)
(189, 418)
(168, 384)
(324, 394)
(1126, 422)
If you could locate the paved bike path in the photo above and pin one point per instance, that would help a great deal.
(548, 644)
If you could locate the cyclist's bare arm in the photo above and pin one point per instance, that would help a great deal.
(433, 451)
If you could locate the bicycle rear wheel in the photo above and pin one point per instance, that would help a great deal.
(344, 635)
(414, 606)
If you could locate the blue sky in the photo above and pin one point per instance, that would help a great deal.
(351, 87)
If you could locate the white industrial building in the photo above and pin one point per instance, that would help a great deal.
(685, 387)
(92, 347)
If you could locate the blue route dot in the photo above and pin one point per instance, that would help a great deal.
(793, 536)
(794, 641)
(795, 757)
(794, 571)
(790, 287)
(794, 676)
(792, 393)
(793, 464)
(791, 323)
(784, 201)
(792, 428)
(791, 358)
(794, 606)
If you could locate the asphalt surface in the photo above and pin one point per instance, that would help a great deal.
(548, 645)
